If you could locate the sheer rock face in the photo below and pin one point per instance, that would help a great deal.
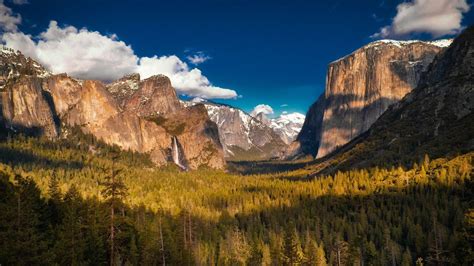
(198, 137)
(90, 106)
(35, 101)
(25, 106)
(436, 118)
(155, 101)
(359, 88)
(65, 92)
(307, 141)
(155, 96)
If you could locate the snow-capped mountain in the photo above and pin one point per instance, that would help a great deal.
(13, 64)
(287, 126)
(243, 136)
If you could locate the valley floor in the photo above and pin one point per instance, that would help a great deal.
(55, 209)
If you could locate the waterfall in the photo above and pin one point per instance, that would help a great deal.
(176, 154)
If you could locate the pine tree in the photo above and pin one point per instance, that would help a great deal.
(320, 256)
(293, 254)
(406, 258)
(71, 243)
(114, 192)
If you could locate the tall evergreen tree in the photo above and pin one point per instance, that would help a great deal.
(293, 253)
(114, 192)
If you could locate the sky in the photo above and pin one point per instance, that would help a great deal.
(271, 54)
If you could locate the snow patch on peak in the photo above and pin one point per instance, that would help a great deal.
(442, 43)
(288, 125)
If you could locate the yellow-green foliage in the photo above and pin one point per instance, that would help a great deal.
(389, 210)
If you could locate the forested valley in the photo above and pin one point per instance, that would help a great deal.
(77, 201)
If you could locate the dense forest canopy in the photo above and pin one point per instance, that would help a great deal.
(57, 199)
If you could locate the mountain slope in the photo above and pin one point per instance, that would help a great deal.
(435, 119)
(36, 102)
(359, 88)
(243, 136)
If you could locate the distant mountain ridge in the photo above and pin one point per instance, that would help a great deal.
(359, 88)
(244, 137)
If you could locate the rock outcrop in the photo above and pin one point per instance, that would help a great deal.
(155, 96)
(34, 101)
(436, 118)
(26, 107)
(360, 87)
(242, 136)
(155, 100)
(197, 135)
(122, 89)
(307, 141)
(14, 64)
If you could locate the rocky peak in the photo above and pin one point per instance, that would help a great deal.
(361, 86)
(124, 87)
(436, 118)
(14, 64)
(34, 101)
(154, 96)
(287, 126)
(242, 136)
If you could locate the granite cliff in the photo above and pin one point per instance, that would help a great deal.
(124, 113)
(359, 88)
(434, 119)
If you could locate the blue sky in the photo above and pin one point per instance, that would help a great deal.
(270, 52)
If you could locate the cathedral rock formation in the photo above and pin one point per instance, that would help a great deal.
(142, 116)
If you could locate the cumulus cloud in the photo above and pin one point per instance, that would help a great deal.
(8, 21)
(198, 58)
(262, 109)
(81, 53)
(86, 54)
(436, 17)
(186, 81)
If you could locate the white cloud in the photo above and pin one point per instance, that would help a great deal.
(81, 53)
(262, 109)
(8, 21)
(284, 105)
(88, 54)
(198, 58)
(186, 81)
(436, 17)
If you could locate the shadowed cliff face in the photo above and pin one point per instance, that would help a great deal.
(155, 100)
(36, 102)
(26, 106)
(436, 118)
(359, 88)
(309, 137)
